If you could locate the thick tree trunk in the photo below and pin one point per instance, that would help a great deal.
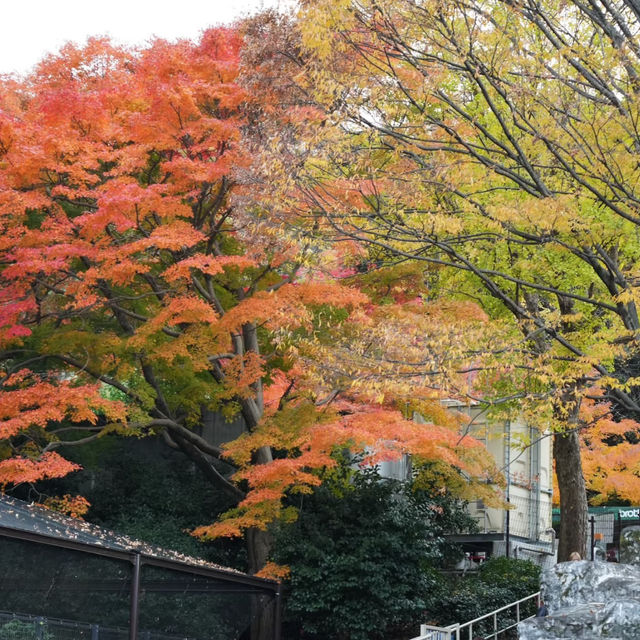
(259, 545)
(573, 495)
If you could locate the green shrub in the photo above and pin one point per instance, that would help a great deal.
(520, 577)
(498, 582)
(18, 630)
(361, 556)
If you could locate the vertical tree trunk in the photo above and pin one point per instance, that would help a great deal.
(259, 545)
(573, 495)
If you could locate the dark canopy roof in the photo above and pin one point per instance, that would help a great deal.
(20, 519)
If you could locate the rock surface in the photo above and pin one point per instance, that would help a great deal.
(588, 600)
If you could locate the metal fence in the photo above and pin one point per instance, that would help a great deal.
(17, 626)
(22, 626)
(530, 515)
(604, 534)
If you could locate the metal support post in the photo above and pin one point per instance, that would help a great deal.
(507, 529)
(277, 618)
(135, 598)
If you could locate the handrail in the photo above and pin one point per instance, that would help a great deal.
(507, 606)
(428, 632)
(454, 631)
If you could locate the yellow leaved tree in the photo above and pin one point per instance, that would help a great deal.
(497, 143)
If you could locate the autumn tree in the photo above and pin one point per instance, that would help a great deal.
(149, 277)
(610, 453)
(497, 142)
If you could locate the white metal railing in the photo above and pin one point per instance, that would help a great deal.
(429, 632)
(465, 631)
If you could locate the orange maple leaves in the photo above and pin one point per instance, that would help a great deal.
(140, 272)
(289, 305)
(310, 435)
(28, 400)
(611, 460)
(108, 159)
(20, 470)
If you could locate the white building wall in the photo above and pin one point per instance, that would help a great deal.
(524, 455)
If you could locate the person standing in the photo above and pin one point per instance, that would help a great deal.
(542, 612)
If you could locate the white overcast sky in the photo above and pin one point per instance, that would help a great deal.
(33, 28)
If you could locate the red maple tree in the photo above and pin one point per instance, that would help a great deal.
(144, 282)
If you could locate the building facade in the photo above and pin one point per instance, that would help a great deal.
(524, 455)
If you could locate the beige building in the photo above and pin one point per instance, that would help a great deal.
(524, 455)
